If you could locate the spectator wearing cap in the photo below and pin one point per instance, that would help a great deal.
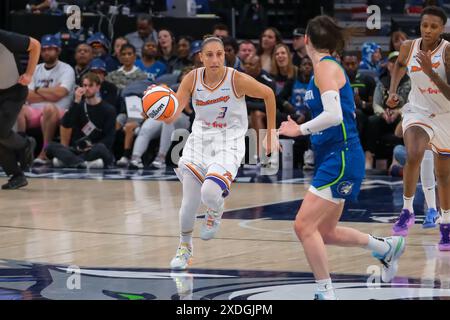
(128, 72)
(231, 49)
(371, 58)
(298, 43)
(183, 50)
(385, 120)
(50, 94)
(108, 90)
(100, 46)
(196, 48)
(83, 57)
(144, 33)
(148, 63)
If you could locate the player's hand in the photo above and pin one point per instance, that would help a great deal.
(25, 79)
(393, 100)
(424, 59)
(79, 93)
(289, 128)
(272, 145)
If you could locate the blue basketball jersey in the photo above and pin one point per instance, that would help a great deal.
(345, 132)
(339, 158)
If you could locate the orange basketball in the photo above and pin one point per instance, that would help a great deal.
(159, 102)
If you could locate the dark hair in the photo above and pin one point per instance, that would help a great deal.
(435, 11)
(396, 35)
(278, 39)
(209, 38)
(174, 45)
(144, 17)
(220, 26)
(446, 36)
(127, 46)
(92, 77)
(230, 41)
(247, 41)
(325, 34)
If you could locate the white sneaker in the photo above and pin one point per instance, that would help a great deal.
(184, 282)
(183, 257)
(211, 224)
(123, 162)
(325, 295)
(390, 258)
(159, 162)
(40, 162)
(137, 164)
(57, 163)
(96, 164)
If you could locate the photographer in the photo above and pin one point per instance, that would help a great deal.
(87, 130)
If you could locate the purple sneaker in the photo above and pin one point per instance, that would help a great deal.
(405, 220)
(444, 244)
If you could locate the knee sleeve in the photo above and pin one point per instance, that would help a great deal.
(427, 171)
(212, 195)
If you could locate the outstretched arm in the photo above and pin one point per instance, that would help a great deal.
(246, 85)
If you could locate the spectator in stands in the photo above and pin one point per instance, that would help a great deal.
(256, 108)
(231, 50)
(50, 94)
(108, 90)
(167, 48)
(83, 57)
(220, 31)
(282, 67)
(42, 6)
(87, 130)
(144, 33)
(397, 39)
(100, 45)
(183, 51)
(148, 63)
(128, 72)
(267, 42)
(298, 43)
(118, 43)
(246, 49)
(385, 120)
(363, 88)
(371, 58)
(196, 48)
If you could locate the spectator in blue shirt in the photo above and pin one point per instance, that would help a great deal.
(148, 63)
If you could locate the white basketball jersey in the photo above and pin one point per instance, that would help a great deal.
(425, 96)
(218, 110)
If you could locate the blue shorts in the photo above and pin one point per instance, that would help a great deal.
(342, 170)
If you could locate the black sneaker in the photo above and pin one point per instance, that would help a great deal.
(27, 155)
(15, 182)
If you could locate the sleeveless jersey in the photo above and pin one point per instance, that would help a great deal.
(218, 110)
(425, 96)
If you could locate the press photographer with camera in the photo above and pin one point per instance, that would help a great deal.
(87, 130)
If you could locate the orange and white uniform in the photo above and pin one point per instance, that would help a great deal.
(427, 107)
(216, 146)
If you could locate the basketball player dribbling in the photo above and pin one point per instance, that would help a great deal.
(426, 116)
(214, 150)
(340, 162)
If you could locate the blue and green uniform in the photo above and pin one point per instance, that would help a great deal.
(338, 153)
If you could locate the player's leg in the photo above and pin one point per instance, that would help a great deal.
(189, 205)
(416, 142)
(429, 189)
(443, 181)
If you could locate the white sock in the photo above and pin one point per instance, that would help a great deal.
(408, 203)
(186, 238)
(324, 285)
(428, 180)
(377, 245)
(445, 216)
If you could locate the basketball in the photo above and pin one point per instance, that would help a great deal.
(159, 102)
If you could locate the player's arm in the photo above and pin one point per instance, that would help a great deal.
(424, 59)
(398, 73)
(184, 94)
(249, 86)
(327, 75)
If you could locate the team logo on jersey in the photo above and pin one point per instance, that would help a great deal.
(345, 188)
(199, 102)
(417, 69)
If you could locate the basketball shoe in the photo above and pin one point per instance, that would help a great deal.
(391, 257)
(405, 220)
(444, 244)
(184, 282)
(211, 224)
(430, 219)
(183, 257)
